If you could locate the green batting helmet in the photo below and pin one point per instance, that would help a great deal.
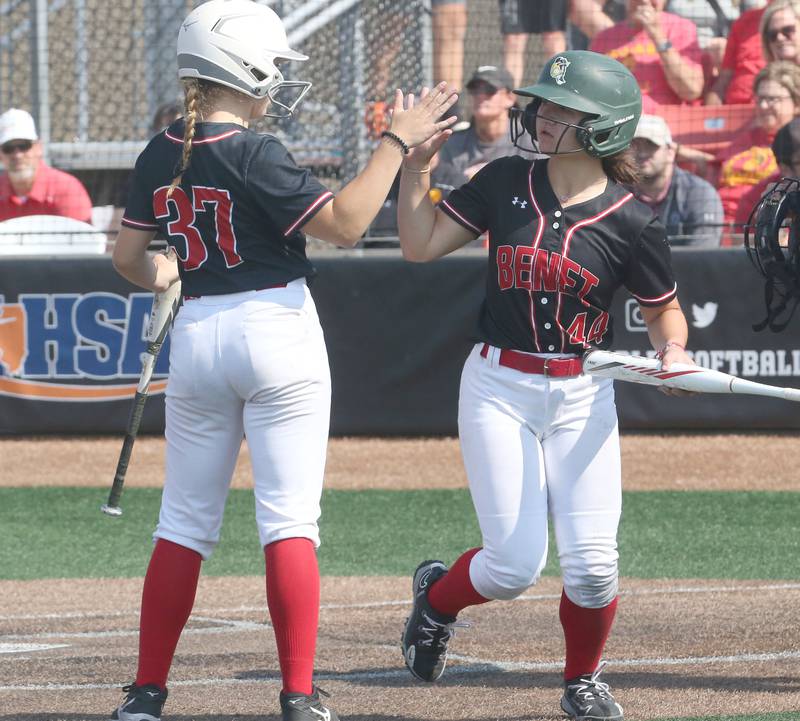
(594, 84)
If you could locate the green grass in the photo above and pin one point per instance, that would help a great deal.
(60, 533)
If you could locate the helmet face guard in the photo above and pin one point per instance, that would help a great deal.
(291, 91)
(772, 239)
(524, 121)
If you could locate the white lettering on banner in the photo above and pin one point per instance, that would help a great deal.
(733, 357)
(742, 363)
(717, 360)
(750, 363)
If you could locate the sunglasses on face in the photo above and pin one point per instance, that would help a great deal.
(482, 89)
(786, 31)
(22, 146)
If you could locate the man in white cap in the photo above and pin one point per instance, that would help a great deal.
(29, 186)
(688, 206)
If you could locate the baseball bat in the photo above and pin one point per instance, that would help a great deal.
(637, 369)
(165, 306)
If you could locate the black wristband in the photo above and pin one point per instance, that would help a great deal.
(397, 140)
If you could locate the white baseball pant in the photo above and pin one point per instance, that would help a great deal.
(531, 445)
(248, 364)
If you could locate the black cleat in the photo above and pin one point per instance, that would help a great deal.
(143, 703)
(306, 707)
(427, 632)
(587, 699)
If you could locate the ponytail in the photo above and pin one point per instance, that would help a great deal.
(192, 101)
(621, 167)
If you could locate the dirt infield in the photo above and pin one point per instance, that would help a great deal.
(680, 648)
(649, 462)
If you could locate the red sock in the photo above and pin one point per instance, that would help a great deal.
(293, 600)
(454, 591)
(167, 599)
(585, 632)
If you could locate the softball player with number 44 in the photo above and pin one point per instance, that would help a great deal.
(248, 356)
(538, 436)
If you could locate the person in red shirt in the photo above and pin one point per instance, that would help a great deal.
(659, 48)
(742, 60)
(29, 186)
(749, 159)
(786, 148)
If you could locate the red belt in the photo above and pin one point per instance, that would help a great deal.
(266, 287)
(555, 367)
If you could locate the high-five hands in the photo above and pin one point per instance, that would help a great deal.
(418, 124)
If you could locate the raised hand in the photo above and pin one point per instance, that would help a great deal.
(429, 103)
(416, 123)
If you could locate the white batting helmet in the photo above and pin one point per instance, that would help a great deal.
(236, 43)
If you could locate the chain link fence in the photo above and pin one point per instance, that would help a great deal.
(94, 74)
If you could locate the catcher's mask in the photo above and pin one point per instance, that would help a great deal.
(772, 239)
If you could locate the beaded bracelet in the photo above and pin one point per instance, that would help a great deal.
(397, 140)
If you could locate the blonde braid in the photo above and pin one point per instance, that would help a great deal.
(193, 98)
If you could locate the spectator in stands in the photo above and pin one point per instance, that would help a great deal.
(780, 38)
(29, 186)
(589, 17)
(689, 207)
(786, 149)
(758, 37)
(659, 48)
(713, 25)
(487, 137)
(449, 29)
(520, 18)
(749, 158)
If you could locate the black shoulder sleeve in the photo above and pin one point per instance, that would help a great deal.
(139, 208)
(289, 194)
(470, 204)
(649, 278)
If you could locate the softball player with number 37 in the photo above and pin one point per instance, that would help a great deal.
(248, 356)
(538, 436)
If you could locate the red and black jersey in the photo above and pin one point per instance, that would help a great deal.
(234, 219)
(553, 271)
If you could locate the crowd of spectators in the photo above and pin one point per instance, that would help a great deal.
(688, 53)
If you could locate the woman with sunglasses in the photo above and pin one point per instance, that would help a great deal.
(538, 435)
(779, 31)
(248, 356)
(30, 186)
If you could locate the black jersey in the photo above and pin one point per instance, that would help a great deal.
(553, 271)
(234, 219)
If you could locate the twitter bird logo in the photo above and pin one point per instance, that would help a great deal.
(704, 314)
